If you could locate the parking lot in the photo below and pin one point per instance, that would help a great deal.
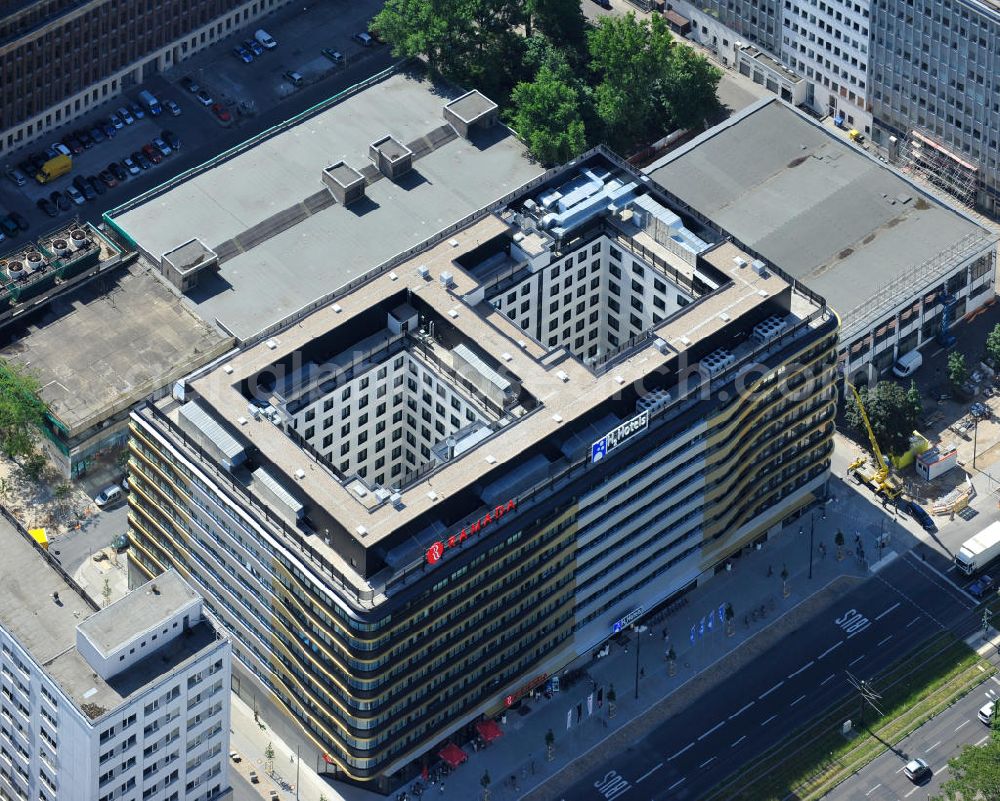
(246, 98)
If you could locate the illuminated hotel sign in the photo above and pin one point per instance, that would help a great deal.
(520, 692)
(436, 551)
(625, 621)
(618, 436)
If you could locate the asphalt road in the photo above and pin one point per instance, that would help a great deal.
(889, 615)
(75, 547)
(937, 741)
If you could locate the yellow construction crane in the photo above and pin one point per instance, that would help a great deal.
(880, 479)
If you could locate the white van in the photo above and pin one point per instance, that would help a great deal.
(109, 496)
(907, 364)
(265, 39)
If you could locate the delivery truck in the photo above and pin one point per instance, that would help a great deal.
(977, 552)
(53, 168)
(150, 103)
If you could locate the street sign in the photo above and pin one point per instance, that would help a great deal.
(621, 624)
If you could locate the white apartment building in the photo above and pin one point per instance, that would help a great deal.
(127, 702)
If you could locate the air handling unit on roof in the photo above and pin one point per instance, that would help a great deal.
(768, 328)
(717, 361)
(470, 112)
(345, 183)
(393, 159)
(210, 435)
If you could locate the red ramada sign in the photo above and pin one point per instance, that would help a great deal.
(436, 551)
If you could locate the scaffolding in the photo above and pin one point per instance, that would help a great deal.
(912, 283)
(921, 155)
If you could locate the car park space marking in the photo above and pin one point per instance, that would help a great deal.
(982, 740)
(716, 727)
(827, 679)
(806, 666)
(775, 687)
(707, 761)
(873, 789)
(913, 621)
(931, 748)
(911, 792)
(676, 783)
(995, 679)
(830, 650)
(685, 748)
(768, 720)
(649, 773)
(800, 698)
(887, 611)
(883, 641)
(741, 710)
(855, 661)
(738, 741)
(960, 725)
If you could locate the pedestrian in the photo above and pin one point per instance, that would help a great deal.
(770, 571)
(664, 635)
(442, 788)
(532, 767)
(642, 673)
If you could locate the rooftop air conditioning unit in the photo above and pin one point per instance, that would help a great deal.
(446, 279)
(424, 272)
(759, 267)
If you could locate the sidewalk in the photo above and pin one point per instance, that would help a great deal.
(520, 753)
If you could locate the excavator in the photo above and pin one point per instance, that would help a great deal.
(879, 479)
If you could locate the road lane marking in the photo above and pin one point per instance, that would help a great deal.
(685, 748)
(887, 611)
(913, 621)
(738, 741)
(883, 642)
(983, 740)
(706, 762)
(800, 698)
(931, 748)
(768, 720)
(960, 725)
(806, 666)
(649, 773)
(716, 727)
(775, 687)
(857, 631)
(827, 679)
(854, 662)
(676, 783)
(873, 790)
(741, 710)
(911, 792)
(994, 679)
(830, 650)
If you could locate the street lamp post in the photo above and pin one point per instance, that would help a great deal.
(812, 531)
(638, 642)
(975, 439)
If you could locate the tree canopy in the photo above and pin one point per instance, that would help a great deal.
(546, 113)
(893, 412)
(22, 412)
(958, 370)
(974, 773)
(993, 344)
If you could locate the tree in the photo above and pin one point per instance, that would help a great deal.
(915, 400)
(561, 21)
(974, 773)
(891, 412)
(958, 370)
(22, 412)
(546, 114)
(838, 540)
(691, 88)
(993, 344)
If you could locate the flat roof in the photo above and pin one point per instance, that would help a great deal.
(298, 256)
(46, 628)
(826, 212)
(141, 610)
(112, 342)
(471, 106)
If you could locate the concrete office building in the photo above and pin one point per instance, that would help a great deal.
(899, 266)
(126, 702)
(935, 73)
(449, 481)
(60, 58)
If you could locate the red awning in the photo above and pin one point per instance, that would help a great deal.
(488, 729)
(453, 755)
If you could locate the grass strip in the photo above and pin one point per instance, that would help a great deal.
(817, 757)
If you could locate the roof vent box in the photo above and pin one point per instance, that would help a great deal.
(392, 158)
(345, 183)
(470, 112)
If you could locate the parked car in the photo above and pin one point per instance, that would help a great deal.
(189, 83)
(254, 46)
(152, 153)
(254, 779)
(22, 223)
(173, 108)
(125, 115)
(108, 179)
(334, 56)
(85, 138)
(116, 121)
(75, 195)
(74, 144)
(96, 184)
(38, 161)
(97, 134)
(129, 164)
(220, 111)
(980, 587)
(162, 146)
(364, 39)
(61, 149)
(61, 201)
(204, 97)
(137, 110)
(243, 54)
(923, 519)
(110, 130)
(171, 138)
(45, 205)
(916, 770)
(294, 78)
(985, 713)
(109, 496)
(16, 176)
(8, 226)
(141, 160)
